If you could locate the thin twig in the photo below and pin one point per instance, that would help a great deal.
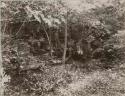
(20, 28)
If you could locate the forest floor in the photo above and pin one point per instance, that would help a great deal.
(97, 83)
(62, 81)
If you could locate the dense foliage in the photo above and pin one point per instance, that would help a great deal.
(40, 34)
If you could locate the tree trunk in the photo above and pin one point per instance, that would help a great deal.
(1, 66)
(3, 78)
(65, 44)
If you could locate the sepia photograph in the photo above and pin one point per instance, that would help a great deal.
(62, 47)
